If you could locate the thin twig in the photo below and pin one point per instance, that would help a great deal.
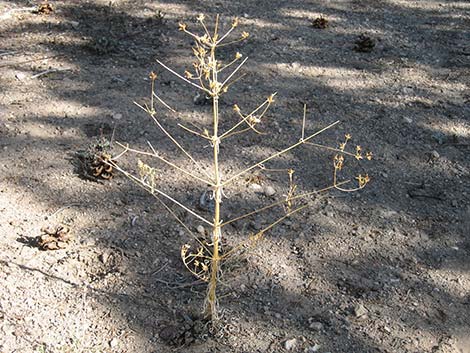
(12, 11)
(163, 102)
(30, 61)
(225, 35)
(278, 203)
(149, 189)
(258, 235)
(183, 224)
(182, 77)
(194, 132)
(279, 153)
(303, 121)
(171, 164)
(62, 209)
(244, 119)
(152, 115)
(233, 73)
(8, 53)
(175, 285)
(330, 148)
(48, 72)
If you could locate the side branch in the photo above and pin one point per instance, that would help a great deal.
(279, 203)
(152, 115)
(278, 154)
(183, 78)
(244, 118)
(149, 189)
(171, 164)
(258, 235)
(233, 73)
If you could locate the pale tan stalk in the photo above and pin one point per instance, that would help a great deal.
(211, 309)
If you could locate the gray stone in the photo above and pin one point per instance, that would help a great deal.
(269, 191)
(360, 311)
(316, 326)
(290, 344)
(256, 188)
(200, 229)
(407, 119)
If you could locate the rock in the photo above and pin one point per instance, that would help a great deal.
(439, 137)
(407, 119)
(117, 116)
(104, 257)
(360, 311)
(200, 229)
(74, 24)
(269, 191)
(256, 188)
(290, 344)
(435, 155)
(201, 99)
(21, 76)
(114, 342)
(312, 349)
(316, 326)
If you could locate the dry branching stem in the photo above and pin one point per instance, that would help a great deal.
(205, 262)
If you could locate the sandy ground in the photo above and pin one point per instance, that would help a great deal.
(386, 269)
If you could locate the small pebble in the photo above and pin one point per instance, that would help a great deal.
(269, 191)
(20, 76)
(407, 119)
(200, 229)
(314, 348)
(316, 326)
(359, 311)
(256, 188)
(114, 342)
(290, 344)
(104, 257)
(435, 155)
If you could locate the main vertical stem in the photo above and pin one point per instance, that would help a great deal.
(211, 309)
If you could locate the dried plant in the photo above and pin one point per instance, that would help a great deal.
(213, 79)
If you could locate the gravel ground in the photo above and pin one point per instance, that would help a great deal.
(385, 269)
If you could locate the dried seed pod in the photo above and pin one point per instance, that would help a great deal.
(44, 8)
(54, 238)
(364, 44)
(320, 22)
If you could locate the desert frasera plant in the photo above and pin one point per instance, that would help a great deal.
(213, 78)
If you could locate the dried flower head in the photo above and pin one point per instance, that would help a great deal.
(201, 17)
(363, 180)
(245, 35)
(235, 22)
(153, 76)
(238, 55)
(338, 161)
(182, 26)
